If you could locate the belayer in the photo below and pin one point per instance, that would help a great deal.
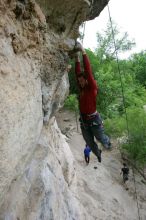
(90, 120)
(125, 171)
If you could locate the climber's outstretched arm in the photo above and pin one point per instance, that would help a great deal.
(87, 67)
(77, 64)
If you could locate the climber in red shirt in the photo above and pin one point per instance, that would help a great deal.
(91, 123)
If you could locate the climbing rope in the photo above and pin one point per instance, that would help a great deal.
(123, 97)
(119, 71)
(83, 34)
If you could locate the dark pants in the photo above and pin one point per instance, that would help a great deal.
(94, 128)
(125, 177)
(87, 158)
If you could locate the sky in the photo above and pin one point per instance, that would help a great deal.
(130, 17)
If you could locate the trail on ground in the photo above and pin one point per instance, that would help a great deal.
(101, 190)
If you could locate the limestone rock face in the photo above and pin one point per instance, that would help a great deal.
(47, 189)
(37, 175)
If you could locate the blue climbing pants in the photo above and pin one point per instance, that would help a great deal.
(93, 127)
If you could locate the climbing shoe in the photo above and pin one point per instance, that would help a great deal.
(108, 146)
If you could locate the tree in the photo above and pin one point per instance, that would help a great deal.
(136, 146)
(105, 42)
(138, 65)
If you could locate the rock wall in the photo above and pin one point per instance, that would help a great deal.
(37, 173)
(47, 189)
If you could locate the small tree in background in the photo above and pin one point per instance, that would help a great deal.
(71, 103)
(105, 43)
(136, 146)
(138, 66)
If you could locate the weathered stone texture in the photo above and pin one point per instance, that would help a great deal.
(34, 44)
(21, 112)
(47, 189)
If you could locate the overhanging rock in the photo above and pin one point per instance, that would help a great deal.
(65, 16)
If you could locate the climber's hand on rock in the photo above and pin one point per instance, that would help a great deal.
(79, 47)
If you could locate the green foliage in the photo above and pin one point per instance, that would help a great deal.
(106, 44)
(115, 127)
(135, 135)
(138, 65)
(72, 79)
(71, 102)
(136, 146)
(95, 64)
(109, 90)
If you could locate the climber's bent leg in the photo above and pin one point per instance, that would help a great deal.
(98, 131)
(89, 139)
(87, 159)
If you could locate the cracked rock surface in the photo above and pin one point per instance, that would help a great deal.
(36, 165)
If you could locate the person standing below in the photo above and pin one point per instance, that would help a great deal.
(125, 171)
(87, 151)
(90, 120)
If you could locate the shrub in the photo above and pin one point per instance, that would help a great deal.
(136, 146)
(115, 126)
(71, 102)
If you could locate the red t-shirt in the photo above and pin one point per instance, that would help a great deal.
(87, 99)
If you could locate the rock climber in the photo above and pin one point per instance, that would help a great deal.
(90, 120)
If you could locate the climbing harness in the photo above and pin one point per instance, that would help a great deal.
(123, 97)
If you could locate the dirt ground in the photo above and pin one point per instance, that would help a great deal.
(100, 185)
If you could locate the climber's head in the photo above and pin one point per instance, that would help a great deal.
(82, 80)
